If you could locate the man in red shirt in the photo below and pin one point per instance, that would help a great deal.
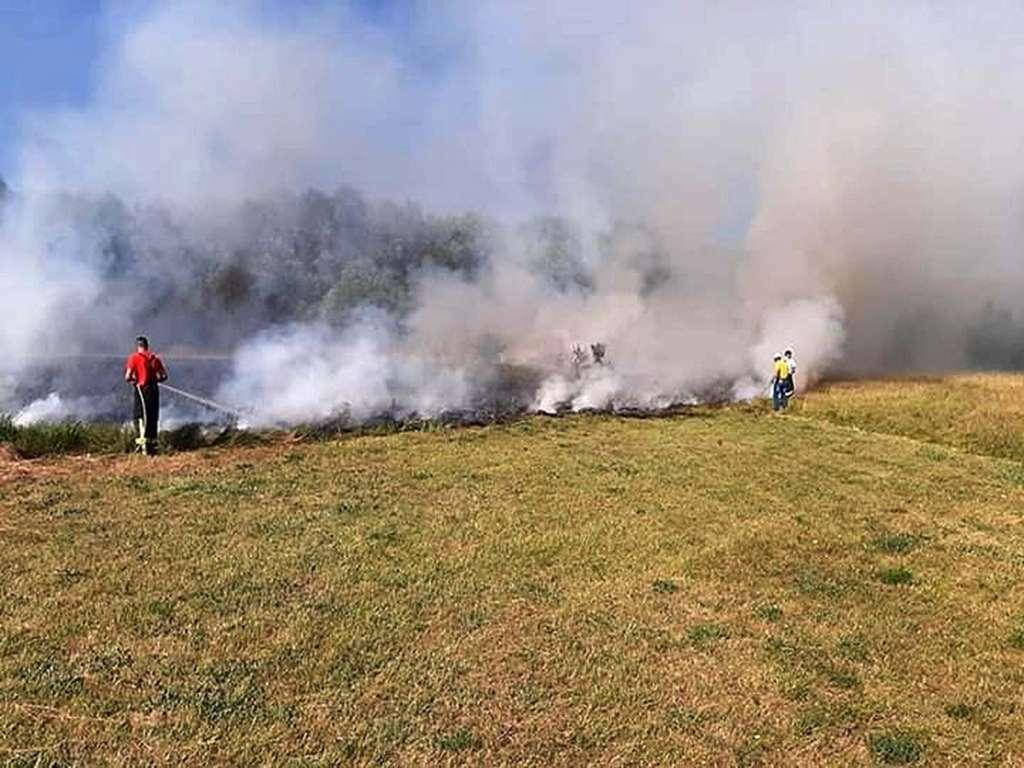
(144, 371)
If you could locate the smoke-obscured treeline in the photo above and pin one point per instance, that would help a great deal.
(324, 257)
(311, 257)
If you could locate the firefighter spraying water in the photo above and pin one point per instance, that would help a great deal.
(144, 371)
(147, 375)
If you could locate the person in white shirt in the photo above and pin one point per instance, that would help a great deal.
(790, 383)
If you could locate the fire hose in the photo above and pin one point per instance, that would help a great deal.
(201, 400)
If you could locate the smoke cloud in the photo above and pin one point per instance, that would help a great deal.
(693, 187)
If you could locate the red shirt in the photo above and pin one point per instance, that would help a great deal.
(144, 367)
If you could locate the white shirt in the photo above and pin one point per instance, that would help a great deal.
(792, 364)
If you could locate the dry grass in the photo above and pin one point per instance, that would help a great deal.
(980, 413)
(707, 589)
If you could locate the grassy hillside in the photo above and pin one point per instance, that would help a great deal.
(729, 587)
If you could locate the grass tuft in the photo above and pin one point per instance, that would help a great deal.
(228, 691)
(1015, 474)
(896, 543)
(898, 748)
(842, 679)
(459, 741)
(1017, 639)
(664, 587)
(702, 635)
(896, 576)
(810, 720)
(814, 584)
(959, 711)
(750, 753)
(853, 648)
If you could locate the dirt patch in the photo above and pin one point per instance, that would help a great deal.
(11, 465)
(14, 468)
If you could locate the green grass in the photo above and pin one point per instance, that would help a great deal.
(896, 576)
(896, 543)
(664, 587)
(47, 439)
(556, 592)
(1017, 639)
(769, 612)
(896, 748)
(706, 634)
(74, 437)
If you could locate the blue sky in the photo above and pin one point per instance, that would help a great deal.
(48, 49)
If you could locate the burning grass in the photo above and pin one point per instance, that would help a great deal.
(590, 589)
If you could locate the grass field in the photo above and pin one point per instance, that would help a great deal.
(840, 585)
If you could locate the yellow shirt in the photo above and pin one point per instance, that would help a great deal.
(782, 370)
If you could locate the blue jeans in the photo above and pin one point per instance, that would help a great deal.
(780, 395)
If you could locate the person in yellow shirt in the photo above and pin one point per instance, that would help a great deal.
(780, 376)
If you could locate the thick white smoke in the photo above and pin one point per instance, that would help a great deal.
(743, 176)
(52, 408)
(47, 267)
(308, 373)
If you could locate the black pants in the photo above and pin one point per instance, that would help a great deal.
(147, 410)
